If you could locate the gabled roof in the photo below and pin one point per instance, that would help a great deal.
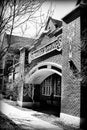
(57, 23)
(46, 34)
(18, 42)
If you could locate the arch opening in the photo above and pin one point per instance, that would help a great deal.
(46, 82)
(39, 76)
(42, 71)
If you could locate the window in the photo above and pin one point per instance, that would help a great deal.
(47, 90)
(43, 87)
(57, 69)
(42, 67)
(46, 86)
(51, 84)
(56, 85)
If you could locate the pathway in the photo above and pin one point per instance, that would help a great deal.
(25, 118)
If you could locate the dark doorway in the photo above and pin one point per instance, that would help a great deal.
(48, 95)
(36, 93)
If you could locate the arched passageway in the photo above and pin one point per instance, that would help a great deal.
(46, 81)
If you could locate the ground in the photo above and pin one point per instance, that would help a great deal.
(17, 118)
(7, 124)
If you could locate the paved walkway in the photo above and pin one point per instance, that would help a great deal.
(25, 118)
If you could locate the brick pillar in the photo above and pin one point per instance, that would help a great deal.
(73, 88)
(21, 82)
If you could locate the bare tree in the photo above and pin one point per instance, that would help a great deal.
(39, 22)
(14, 13)
(43, 19)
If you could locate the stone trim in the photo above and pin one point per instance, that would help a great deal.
(20, 103)
(70, 120)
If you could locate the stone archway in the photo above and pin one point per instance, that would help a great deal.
(40, 73)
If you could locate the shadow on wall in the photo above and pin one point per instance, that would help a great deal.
(83, 112)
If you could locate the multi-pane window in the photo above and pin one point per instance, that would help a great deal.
(46, 86)
(56, 85)
(43, 87)
(51, 84)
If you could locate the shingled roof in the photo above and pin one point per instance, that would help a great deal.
(18, 41)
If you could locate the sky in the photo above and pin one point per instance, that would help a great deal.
(60, 8)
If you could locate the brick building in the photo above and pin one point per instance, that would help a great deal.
(54, 68)
(74, 72)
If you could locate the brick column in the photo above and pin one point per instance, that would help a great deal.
(21, 82)
(73, 64)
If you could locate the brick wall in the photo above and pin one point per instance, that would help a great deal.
(21, 76)
(70, 97)
(55, 57)
(74, 79)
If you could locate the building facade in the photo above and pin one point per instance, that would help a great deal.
(53, 70)
(41, 70)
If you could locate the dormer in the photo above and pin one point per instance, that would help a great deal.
(52, 24)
